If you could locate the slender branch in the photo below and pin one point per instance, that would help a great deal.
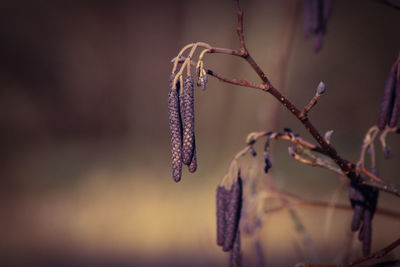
(347, 167)
(235, 81)
(390, 4)
(239, 28)
(313, 101)
(378, 254)
(296, 201)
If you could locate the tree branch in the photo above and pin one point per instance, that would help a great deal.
(348, 168)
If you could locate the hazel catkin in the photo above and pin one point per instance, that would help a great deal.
(187, 114)
(175, 130)
(193, 163)
(235, 254)
(387, 101)
(233, 214)
(222, 200)
(363, 199)
(396, 106)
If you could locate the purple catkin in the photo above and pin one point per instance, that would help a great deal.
(315, 18)
(175, 130)
(318, 41)
(193, 163)
(222, 200)
(396, 106)
(306, 18)
(327, 11)
(187, 114)
(235, 255)
(314, 10)
(366, 233)
(387, 152)
(357, 215)
(233, 214)
(387, 101)
(356, 199)
(364, 201)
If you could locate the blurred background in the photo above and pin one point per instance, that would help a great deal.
(85, 152)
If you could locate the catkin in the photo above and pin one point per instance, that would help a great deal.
(366, 233)
(193, 163)
(175, 130)
(222, 200)
(306, 18)
(387, 101)
(233, 214)
(187, 114)
(356, 199)
(396, 106)
(235, 255)
(363, 200)
(315, 18)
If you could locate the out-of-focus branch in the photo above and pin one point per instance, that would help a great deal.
(375, 255)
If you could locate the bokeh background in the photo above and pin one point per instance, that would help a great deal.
(85, 153)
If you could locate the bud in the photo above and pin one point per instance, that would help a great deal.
(253, 152)
(328, 136)
(321, 88)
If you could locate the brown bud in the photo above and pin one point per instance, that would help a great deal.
(187, 114)
(175, 130)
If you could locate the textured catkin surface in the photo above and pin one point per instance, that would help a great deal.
(396, 105)
(222, 199)
(175, 131)
(364, 200)
(233, 216)
(235, 254)
(193, 163)
(187, 114)
(387, 101)
(315, 18)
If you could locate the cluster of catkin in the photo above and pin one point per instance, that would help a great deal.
(181, 125)
(390, 106)
(315, 16)
(364, 198)
(363, 201)
(229, 205)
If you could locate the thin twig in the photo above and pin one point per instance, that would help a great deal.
(376, 255)
(348, 168)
